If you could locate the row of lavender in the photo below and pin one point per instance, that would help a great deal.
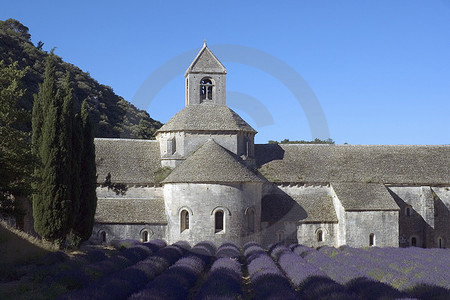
(156, 271)
(401, 268)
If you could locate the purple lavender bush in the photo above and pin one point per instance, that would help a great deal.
(296, 268)
(155, 245)
(228, 250)
(125, 282)
(341, 273)
(301, 250)
(367, 288)
(223, 281)
(126, 243)
(324, 288)
(177, 280)
(266, 279)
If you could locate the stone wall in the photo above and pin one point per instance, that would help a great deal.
(188, 142)
(341, 232)
(307, 234)
(202, 201)
(135, 192)
(126, 231)
(287, 228)
(193, 88)
(382, 224)
(442, 219)
(418, 223)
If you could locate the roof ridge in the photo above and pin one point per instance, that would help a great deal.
(211, 162)
(199, 56)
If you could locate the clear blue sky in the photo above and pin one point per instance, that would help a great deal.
(379, 69)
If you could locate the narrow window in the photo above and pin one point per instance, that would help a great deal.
(371, 239)
(103, 236)
(171, 145)
(320, 236)
(251, 220)
(144, 236)
(206, 89)
(218, 216)
(408, 211)
(280, 236)
(413, 242)
(441, 243)
(184, 220)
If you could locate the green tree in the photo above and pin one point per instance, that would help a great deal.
(15, 151)
(52, 204)
(88, 176)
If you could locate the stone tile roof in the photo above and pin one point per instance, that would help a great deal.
(206, 62)
(318, 207)
(129, 161)
(364, 196)
(211, 163)
(309, 207)
(206, 117)
(414, 165)
(126, 211)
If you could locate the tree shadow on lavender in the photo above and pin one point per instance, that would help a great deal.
(318, 287)
(425, 291)
(273, 286)
(221, 284)
(370, 289)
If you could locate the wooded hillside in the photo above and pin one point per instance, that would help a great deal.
(111, 115)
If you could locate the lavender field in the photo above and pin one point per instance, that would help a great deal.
(155, 270)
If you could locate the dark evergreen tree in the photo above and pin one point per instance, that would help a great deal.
(74, 238)
(88, 176)
(15, 151)
(65, 147)
(52, 204)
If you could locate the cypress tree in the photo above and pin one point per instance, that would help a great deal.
(69, 188)
(77, 144)
(88, 176)
(52, 131)
(47, 91)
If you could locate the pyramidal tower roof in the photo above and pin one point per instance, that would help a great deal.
(206, 117)
(206, 62)
(209, 164)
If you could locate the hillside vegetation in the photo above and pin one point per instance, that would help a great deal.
(17, 247)
(111, 115)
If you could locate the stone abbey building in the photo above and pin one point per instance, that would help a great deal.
(223, 187)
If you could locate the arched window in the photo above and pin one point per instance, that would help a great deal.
(103, 236)
(206, 89)
(441, 242)
(184, 220)
(280, 236)
(371, 239)
(144, 236)
(320, 236)
(413, 241)
(251, 220)
(218, 221)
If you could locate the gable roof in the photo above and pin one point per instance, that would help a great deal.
(206, 117)
(211, 163)
(129, 161)
(360, 196)
(300, 163)
(125, 210)
(206, 62)
(311, 206)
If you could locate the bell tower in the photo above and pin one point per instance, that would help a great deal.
(205, 79)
